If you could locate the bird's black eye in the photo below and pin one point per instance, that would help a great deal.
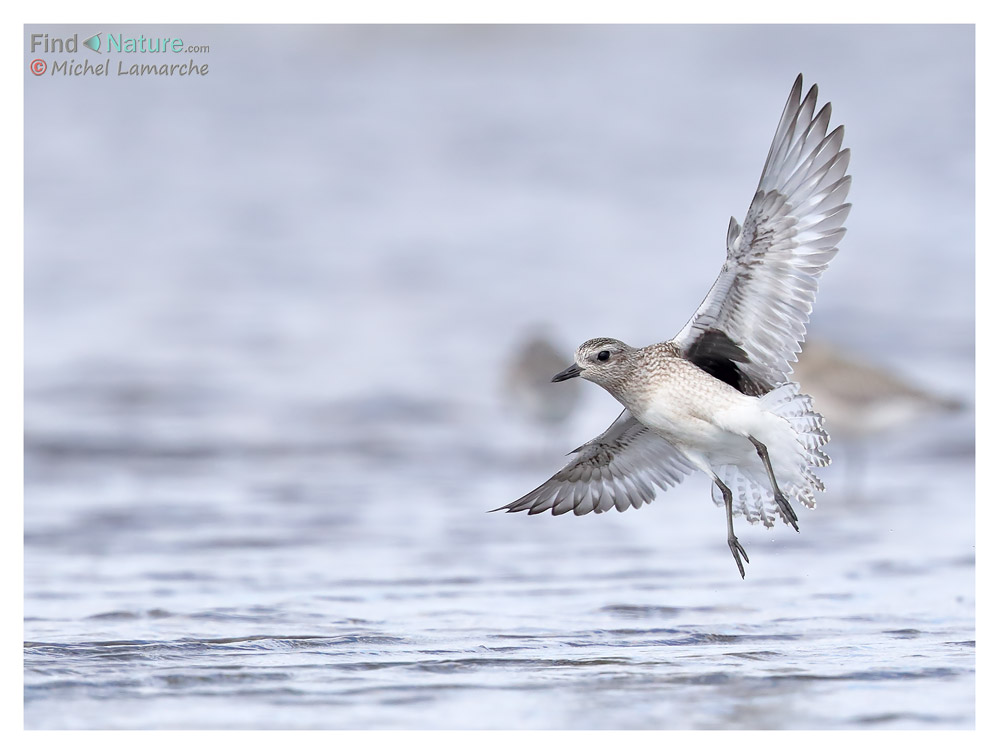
(603, 356)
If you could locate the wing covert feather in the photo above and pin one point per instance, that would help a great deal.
(764, 294)
(620, 468)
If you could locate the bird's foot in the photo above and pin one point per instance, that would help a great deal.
(736, 548)
(786, 511)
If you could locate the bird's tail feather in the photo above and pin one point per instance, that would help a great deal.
(786, 402)
(752, 495)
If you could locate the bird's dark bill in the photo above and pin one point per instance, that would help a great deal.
(567, 374)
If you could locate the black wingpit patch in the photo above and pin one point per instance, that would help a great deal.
(720, 356)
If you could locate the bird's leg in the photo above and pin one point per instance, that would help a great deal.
(733, 541)
(785, 507)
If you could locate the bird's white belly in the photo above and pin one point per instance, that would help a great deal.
(719, 435)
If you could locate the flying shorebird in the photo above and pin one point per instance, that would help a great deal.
(716, 396)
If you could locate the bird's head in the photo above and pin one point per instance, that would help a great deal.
(604, 361)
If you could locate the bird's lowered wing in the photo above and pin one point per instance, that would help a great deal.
(618, 469)
(750, 326)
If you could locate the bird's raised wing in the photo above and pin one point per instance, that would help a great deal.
(750, 326)
(619, 469)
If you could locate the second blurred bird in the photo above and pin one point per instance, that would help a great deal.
(528, 383)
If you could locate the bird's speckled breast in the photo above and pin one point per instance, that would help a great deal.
(676, 398)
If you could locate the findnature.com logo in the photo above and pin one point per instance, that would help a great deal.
(115, 44)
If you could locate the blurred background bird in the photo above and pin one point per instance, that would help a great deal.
(529, 389)
(862, 402)
(860, 399)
